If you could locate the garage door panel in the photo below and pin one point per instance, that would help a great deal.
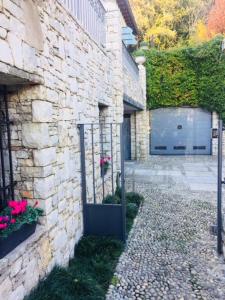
(179, 131)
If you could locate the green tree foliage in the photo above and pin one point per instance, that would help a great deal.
(167, 23)
(191, 76)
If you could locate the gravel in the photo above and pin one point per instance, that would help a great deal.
(170, 252)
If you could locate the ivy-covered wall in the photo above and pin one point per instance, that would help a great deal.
(193, 76)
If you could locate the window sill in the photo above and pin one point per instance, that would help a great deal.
(19, 250)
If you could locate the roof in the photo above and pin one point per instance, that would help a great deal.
(128, 15)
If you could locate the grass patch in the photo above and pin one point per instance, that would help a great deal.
(90, 273)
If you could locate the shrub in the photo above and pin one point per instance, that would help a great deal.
(110, 199)
(132, 210)
(118, 192)
(192, 76)
(135, 198)
(88, 275)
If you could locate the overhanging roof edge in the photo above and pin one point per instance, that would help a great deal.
(128, 15)
(130, 101)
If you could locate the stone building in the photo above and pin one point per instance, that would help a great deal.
(62, 63)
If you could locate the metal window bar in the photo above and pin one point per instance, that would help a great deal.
(6, 166)
(102, 157)
(91, 15)
(112, 157)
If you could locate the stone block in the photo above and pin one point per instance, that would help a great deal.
(46, 205)
(16, 47)
(32, 268)
(16, 267)
(44, 187)
(35, 135)
(4, 21)
(16, 27)
(6, 54)
(52, 219)
(42, 111)
(3, 33)
(45, 254)
(30, 172)
(5, 288)
(45, 156)
(18, 293)
(30, 59)
(12, 8)
(62, 205)
(60, 240)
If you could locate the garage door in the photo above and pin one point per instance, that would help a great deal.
(181, 131)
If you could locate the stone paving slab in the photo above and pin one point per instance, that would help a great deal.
(171, 253)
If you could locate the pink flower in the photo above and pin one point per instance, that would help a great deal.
(12, 204)
(4, 219)
(15, 212)
(18, 207)
(13, 221)
(36, 204)
(102, 161)
(3, 226)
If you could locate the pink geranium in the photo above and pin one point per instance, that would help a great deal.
(18, 207)
(3, 226)
(104, 160)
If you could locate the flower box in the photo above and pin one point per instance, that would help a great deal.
(18, 221)
(15, 238)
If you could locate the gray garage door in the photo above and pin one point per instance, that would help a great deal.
(181, 131)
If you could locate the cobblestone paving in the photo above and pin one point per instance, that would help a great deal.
(170, 252)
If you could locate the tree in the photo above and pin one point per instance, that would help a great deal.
(201, 33)
(168, 23)
(216, 18)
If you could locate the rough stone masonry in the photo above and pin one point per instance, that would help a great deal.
(56, 76)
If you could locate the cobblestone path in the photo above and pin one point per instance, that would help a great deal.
(171, 253)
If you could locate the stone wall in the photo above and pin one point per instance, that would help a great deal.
(215, 120)
(65, 76)
(132, 87)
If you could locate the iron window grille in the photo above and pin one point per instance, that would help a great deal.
(6, 167)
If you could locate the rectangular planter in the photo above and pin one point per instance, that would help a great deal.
(17, 237)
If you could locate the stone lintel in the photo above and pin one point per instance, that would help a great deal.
(12, 76)
(131, 104)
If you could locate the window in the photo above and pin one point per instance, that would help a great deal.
(6, 169)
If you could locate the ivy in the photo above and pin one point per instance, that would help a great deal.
(192, 76)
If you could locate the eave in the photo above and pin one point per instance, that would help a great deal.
(128, 15)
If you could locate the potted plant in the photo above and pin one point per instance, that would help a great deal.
(17, 222)
(104, 164)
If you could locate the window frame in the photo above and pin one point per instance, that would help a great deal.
(6, 188)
